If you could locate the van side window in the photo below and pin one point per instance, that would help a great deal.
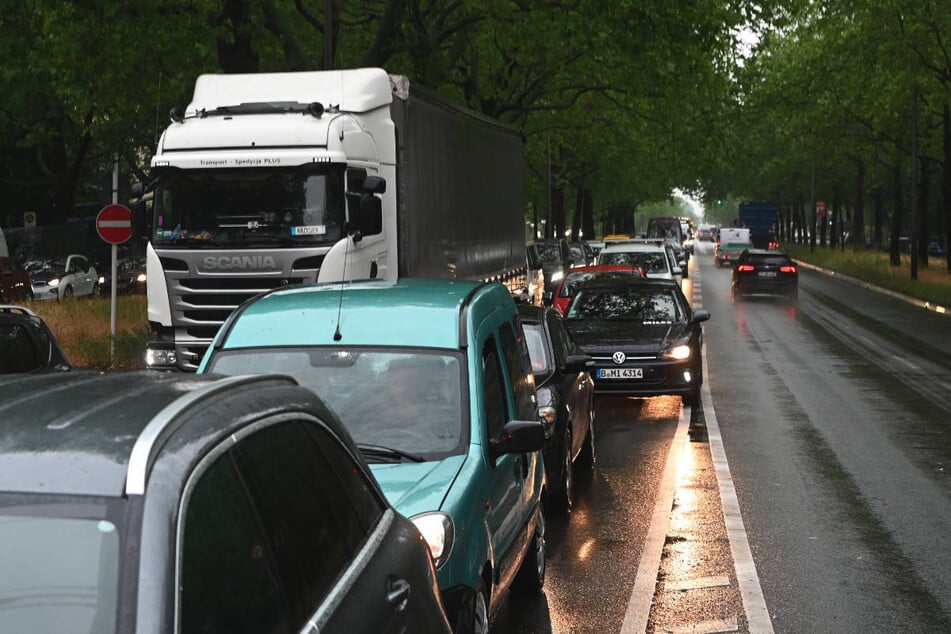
(519, 370)
(493, 391)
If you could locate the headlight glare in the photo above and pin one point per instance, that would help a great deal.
(438, 532)
(54, 282)
(678, 353)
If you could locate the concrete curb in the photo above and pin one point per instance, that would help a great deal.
(943, 310)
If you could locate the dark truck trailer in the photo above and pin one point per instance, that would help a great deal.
(460, 198)
(762, 219)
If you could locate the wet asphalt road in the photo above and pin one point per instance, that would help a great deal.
(835, 420)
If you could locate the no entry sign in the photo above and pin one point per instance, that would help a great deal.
(114, 224)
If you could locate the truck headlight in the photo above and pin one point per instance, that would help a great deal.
(438, 532)
(160, 357)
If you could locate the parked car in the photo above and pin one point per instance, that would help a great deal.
(643, 335)
(565, 401)
(60, 280)
(433, 380)
(582, 274)
(15, 283)
(151, 503)
(27, 344)
(553, 259)
(765, 272)
(130, 277)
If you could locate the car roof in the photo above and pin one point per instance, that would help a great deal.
(430, 314)
(84, 433)
(601, 268)
(767, 252)
(615, 247)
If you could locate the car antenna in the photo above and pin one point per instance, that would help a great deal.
(343, 277)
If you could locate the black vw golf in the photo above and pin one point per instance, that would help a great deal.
(643, 335)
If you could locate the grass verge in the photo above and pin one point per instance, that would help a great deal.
(83, 329)
(933, 284)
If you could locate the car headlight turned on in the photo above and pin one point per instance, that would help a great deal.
(54, 282)
(140, 277)
(438, 531)
(102, 280)
(557, 276)
(677, 353)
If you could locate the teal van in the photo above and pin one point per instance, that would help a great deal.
(432, 380)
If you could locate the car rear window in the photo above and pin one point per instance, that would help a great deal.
(60, 566)
(647, 305)
(650, 261)
(768, 260)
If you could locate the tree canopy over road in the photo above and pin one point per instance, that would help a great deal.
(620, 101)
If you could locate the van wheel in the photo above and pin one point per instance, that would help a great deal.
(480, 611)
(531, 575)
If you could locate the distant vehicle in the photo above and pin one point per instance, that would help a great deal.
(582, 274)
(155, 502)
(705, 233)
(762, 219)
(581, 254)
(434, 382)
(666, 228)
(130, 277)
(61, 280)
(651, 256)
(565, 401)
(730, 244)
(553, 258)
(765, 272)
(27, 344)
(643, 335)
(15, 282)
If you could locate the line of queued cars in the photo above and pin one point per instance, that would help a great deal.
(441, 442)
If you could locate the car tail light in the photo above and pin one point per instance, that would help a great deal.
(744, 268)
(787, 269)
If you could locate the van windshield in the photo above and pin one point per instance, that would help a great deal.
(297, 206)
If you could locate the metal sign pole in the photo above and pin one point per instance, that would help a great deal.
(115, 251)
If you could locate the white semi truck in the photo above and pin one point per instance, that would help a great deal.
(272, 179)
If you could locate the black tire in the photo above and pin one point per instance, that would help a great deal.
(531, 575)
(480, 612)
(95, 290)
(562, 493)
(66, 294)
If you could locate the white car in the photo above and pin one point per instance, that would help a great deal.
(62, 279)
(652, 256)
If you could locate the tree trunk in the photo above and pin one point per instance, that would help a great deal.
(924, 195)
(556, 225)
(858, 218)
(879, 203)
(587, 216)
(835, 219)
(894, 250)
(576, 217)
(236, 52)
(946, 184)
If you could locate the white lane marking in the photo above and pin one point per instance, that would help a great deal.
(757, 614)
(645, 584)
(908, 363)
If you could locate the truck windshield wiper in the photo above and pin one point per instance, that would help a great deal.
(192, 242)
(379, 451)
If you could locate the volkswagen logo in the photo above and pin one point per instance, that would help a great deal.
(619, 357)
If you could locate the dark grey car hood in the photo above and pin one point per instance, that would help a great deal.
(630, 336)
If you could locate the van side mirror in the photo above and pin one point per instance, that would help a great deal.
(519, 436)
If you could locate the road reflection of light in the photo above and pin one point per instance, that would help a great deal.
(584, 551)
(685, 550)
(741, 320)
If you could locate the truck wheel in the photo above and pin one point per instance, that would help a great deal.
(531, 575)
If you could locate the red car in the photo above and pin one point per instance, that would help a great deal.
(576, 276)
(15, 283)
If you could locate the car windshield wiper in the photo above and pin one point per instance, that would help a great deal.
(379, 451)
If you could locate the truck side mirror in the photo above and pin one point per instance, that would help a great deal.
(370, 221)
(136, 190)
(374, 185)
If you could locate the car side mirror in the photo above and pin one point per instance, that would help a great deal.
(519, 436)
(699, 316)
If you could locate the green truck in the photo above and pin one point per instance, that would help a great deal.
(731, 243)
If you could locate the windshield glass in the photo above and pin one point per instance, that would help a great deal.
(300, 206)
(648, 305)
(408, 400)
(573, 280)
(650, 261)
(547, 253)
(60, 564)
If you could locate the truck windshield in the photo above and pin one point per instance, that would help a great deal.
(299, 206)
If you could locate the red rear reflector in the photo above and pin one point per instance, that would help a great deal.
(788, 269)
(745, 267)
